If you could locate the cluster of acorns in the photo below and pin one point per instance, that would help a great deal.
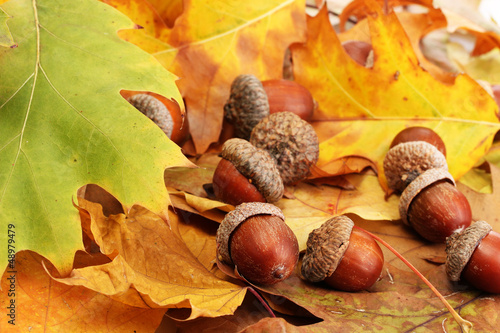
(430, 203)
(281, 148)
(277, 146)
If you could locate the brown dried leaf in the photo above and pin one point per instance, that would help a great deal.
(153, 263)
(43, 304)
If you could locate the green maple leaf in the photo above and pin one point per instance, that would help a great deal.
(64, 124)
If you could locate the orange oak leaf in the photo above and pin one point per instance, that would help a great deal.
(357, 8)
(367, 107)
(211, 43)
(43, 304)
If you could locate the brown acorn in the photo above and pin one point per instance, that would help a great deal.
(406, 161)
(291, 141)
(247, 104)
(344, 258)
(164, 112)
(419, 133)
(256, 240)
(361, 52)
(286, 95)
(472, 255)
(246, 174)
(434, 207)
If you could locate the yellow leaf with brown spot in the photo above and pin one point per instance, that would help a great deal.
(154, 263)
(367, 107)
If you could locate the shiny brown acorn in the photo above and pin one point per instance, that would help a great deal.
(472, 255)
(246, 174)
(413, 151)
(434, 207)
(344, 258)
(255, 239)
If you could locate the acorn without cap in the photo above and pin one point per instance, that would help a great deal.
(472, 255)
(246, 174)
(291, 141)
(256, 240)
(344, 258)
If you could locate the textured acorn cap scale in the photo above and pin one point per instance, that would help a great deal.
(247, 104)
(232, 219)
(155, 110)
(461, 245)
(406, 161)
(326, 247)
(426, 179)
(257, 165)
(291, 141)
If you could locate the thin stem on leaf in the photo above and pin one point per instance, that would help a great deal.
(262, 301)
(464, 324)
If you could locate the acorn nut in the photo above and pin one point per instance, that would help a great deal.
(419, 133)
(472, 255)
(163, 112)
(408, 158)
(361, 52)
(246, 174)
(251, 100)
(291, 141)
(286, 95)
(247, 104)
(434, 207)
(344, 258)
(256, 240)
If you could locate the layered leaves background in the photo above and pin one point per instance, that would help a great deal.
(150, 267)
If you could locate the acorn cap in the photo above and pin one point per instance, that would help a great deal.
(247, 104)
(406, 161)
(257, 165)
(155, 110)
(326, 247)
(417, 185)
(461, 245)
(291, 141)
(234, 218)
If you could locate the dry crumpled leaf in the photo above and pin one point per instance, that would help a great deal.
(153, 263)
(484, 67)
(398, 302)
(485, 205)
(362, 109)
(306, 205)
(45, 305)
(209, 46)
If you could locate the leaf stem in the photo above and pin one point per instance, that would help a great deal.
(262, 301)
(465, 325)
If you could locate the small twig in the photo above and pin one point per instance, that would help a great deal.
(262, 301)
(464, 324)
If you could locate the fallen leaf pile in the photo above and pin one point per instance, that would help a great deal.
(113, 225)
